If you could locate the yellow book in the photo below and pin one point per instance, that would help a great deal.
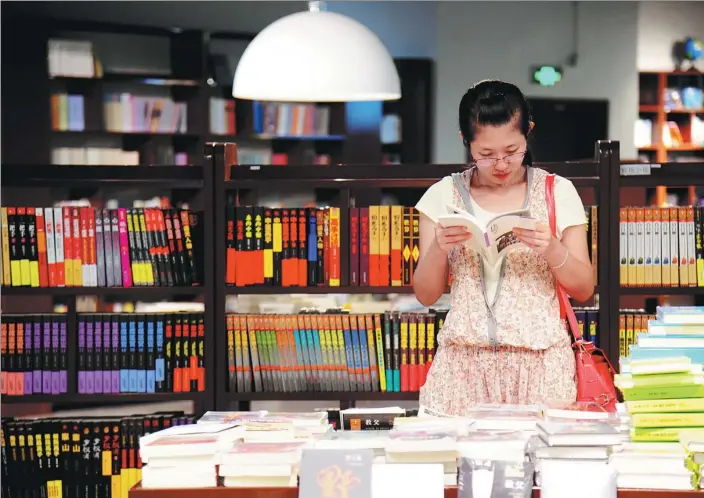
(339, 364)
(76, 233)
(412, 347)
(422, 344)
(374, 246)
(115, 487)
(404, 350)
(277, 235)
(650, 406)
(33, 245)
(342, 351)
(674, 248)
(136, 268)
(269, 245)
(683, 252)
(623, 246)
(622, 336)
(6, 267)
(655, 420)
(234, 344)
(640, 247)
(632, 248)
(148, 264)
(691, 248)
(23, 224)
(665, 254)
(698, 243)
(630, 336)
(380, 352)
(661, 435)
(430, 333)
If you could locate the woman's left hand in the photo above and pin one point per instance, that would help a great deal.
(538, 240)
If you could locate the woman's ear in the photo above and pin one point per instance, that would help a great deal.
(531, 126)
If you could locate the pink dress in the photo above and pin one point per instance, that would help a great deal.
(514, 350)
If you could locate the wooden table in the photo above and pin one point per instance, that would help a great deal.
(221, 492)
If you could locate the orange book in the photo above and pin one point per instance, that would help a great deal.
(258, 253)
(374, 246)
(41, 248)
(286, 278)
(384, 245)
(396, 245)
(422, 352)
(68, 246)
(193, 363)
(178, 357)
(293, 247)
(79, 252)
(302, 248)
(415, 240)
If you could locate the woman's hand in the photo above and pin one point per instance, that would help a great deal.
(538, 240)
(448, 238)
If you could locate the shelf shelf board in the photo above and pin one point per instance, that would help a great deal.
(107, 133)
(322, 396)
(101, 176)
(311, 138)
(142, 292)
(102, 398)
(662, 291)
(135, 78)
(263, 289)
(668, 175)
(379, 175)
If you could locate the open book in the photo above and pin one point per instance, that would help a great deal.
(494, 240)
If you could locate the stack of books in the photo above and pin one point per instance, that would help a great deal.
(651, 466)
(429, 441)
(693, 443)
(186, 456)
(261, 464)
(580, 443)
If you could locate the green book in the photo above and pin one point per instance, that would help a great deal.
(683, 405)
(663, 393)
(654, 420)
(626, 381)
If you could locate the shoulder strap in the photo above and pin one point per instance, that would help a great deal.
(566, 310)
(464, 193)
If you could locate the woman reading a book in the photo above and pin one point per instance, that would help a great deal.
(503, 340)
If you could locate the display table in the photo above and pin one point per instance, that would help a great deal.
(139, 492)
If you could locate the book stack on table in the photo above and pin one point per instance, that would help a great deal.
(664, 397)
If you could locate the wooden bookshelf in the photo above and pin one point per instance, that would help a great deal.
(652, 88)
(349, 184)
(450, 492)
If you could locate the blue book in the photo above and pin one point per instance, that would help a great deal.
(159, 367)
(300, 362)
(151, 356)
(124, 358)
(132, 366)
(141, 355)
(364, 357)
(640, 353)
(349, 354)
(308, 364)
(312, 244)
(387, 353)
(659, 328)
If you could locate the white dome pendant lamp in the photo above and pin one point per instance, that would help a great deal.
(316, 56)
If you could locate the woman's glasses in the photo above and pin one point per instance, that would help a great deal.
(490, 162)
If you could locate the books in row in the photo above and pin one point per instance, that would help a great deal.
(34, 356)
(67, 112)
(117, 353)
(72, 458)
(125, 113)
(302, 246)
(114, 156)
(286, 119)
(331, 352)
(79, 246)
(588, 323)
(141, 353)
(631, 324)
(661, 246)
(222, 116)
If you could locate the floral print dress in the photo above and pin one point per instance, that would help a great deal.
(514, 349)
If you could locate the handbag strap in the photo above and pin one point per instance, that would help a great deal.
(566, 311)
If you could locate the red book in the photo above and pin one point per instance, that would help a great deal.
(326, 246)
(69, 256)
(231, 253)
(302, 248)
(364, 246)
(41, 247)
(286, 278)
(354, 246)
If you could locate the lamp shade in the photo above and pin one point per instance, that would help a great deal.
(316, 57)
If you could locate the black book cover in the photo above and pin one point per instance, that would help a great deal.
(171, 239)
(162, 243)
(169, 326)
(277, 247)
(180, 249)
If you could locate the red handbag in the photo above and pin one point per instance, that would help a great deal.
(595, 374)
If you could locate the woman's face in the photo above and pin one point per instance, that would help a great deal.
(498, 152)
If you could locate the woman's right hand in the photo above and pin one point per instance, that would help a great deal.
(448, 238)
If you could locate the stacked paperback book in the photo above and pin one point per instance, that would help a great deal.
(664, 398)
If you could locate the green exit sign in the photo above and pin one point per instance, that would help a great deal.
(546, 75)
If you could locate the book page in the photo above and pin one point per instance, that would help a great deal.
(501, 237)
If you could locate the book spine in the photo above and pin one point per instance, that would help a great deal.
(98, 354)
(116, 354)
(128, 269)
(107, 355)
(42, 248)
(364, 243)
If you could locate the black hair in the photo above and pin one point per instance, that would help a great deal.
(493, 103)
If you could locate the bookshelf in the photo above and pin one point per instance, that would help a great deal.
(350, 185)
(79, 115)
(656, 107)
(45, 184)
(222, 492)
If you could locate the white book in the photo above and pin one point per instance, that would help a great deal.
(648, 247)
(632, 248)
(50, 244)
(578, 434)
(657, 248)
(684, 254)
(495, 239)
(665, 253)
(623, 247)
(691, 249)
(674, 249)
(640, 248)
